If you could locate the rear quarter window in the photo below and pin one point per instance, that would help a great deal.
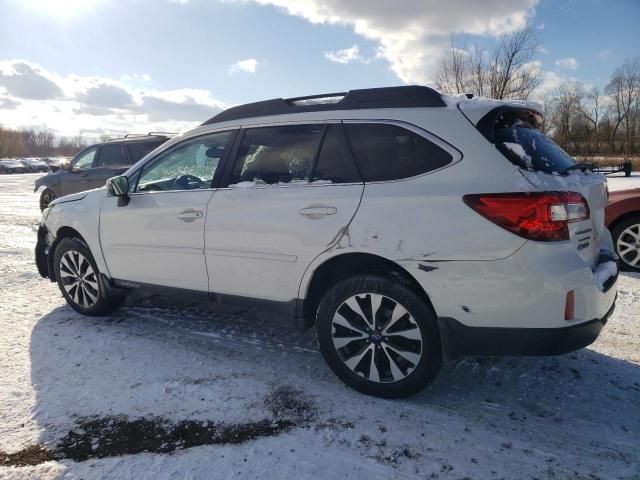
(390, 152)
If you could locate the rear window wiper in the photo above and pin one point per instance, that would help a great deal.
(579, 166)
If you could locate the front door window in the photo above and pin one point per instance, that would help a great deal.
(190, 165)
(85, 160)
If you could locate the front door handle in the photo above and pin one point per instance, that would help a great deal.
(189, 215)
(317, 211)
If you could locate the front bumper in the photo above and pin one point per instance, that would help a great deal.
(461, 340)
(42, 253)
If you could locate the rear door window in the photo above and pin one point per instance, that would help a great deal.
(139, 150)
(335, 162)
(277, 155)
(530, 149)
(111, 156)
(390, 152)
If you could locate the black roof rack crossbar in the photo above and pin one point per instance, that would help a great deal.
(150, 134)
(314, 97)
(386, 97)
(161, 134)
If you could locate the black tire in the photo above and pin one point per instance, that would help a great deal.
(91, 297)
(628, 255)
(366, 286)
(46, 197)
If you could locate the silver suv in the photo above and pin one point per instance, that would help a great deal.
(402, 223)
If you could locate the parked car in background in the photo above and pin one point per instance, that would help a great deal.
(8, 165)
(54, 163)
(406, 225)
(92, 166)
(623, 219)
(34, 165)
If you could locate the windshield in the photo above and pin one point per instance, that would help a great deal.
(530, 149)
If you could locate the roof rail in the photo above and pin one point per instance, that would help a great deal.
(386, 97)
(162, 134)
(150, 134)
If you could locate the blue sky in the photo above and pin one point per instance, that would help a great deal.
(168, 64)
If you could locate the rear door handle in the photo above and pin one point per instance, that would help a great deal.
(316, 211)
(189, 215)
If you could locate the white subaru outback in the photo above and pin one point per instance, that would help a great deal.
(404, 224)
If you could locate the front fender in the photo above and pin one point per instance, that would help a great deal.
(81, 215)
(49, 180)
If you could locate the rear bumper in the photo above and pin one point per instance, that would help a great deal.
(461, 340)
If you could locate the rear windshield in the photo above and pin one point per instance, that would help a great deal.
(530, 149)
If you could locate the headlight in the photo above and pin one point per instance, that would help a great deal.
(45, 213)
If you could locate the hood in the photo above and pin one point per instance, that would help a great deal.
(48, 180)
(74, 197)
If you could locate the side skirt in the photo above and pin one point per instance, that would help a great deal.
(291, 308)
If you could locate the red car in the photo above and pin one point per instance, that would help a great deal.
(622, 217)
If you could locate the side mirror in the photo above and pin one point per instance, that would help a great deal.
(119, 187)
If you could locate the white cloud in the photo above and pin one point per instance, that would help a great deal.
(603, 54)
(346, 55)
(26, 80)
(136, 77)
(413, 34)
(568, 63)
(94, 105)
(105, 94)
(549, 85)
(543, 50)
(248, 66)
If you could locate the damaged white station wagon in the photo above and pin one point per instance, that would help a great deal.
(404, 224)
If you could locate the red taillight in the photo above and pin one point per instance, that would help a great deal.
(537, 216)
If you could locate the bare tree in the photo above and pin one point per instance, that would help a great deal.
(591, 110)
(512, 73)
(624, 90)
(567, 104)
(508, 73)
(452, 70)
(548, 108)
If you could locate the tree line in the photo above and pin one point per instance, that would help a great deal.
(585, 121)
(31, 143)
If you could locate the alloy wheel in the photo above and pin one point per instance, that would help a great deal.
(376, 337)
(629, 245)
(79, 279)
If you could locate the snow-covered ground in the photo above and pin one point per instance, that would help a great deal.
(620, 182)
(259, 401)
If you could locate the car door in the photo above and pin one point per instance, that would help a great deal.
(158, 237)
(77, 177)
(111, 160)
(291, 194)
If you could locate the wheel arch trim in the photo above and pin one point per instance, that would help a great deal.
(334, 255)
